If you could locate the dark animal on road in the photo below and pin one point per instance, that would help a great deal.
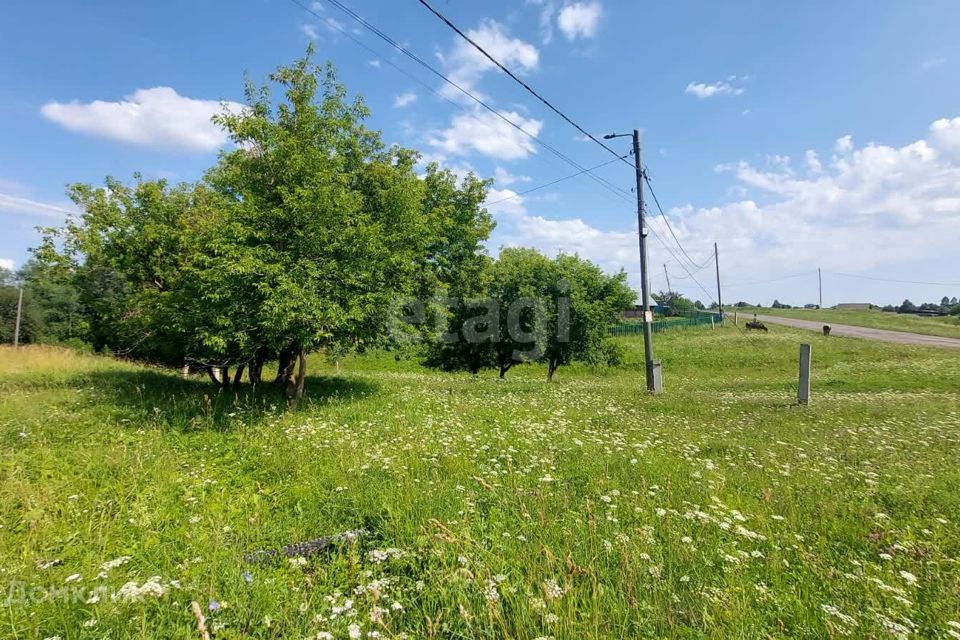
(756, 324)
(826, 329)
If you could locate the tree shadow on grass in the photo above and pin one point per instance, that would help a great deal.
(152, 399)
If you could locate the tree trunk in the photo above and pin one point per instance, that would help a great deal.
(504, 368)
(285, 368)
(301, 373)
(238, 376)
(551, 369)
(214, 373)
(256, 368)
(293, 388)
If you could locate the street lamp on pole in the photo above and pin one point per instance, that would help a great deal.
(654, 373)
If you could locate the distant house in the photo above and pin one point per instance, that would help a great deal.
(637, 311)
(855, 306)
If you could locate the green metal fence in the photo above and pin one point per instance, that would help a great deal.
(667, 324)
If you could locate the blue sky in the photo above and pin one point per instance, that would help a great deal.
(795, 135)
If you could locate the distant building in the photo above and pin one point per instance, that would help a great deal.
(855, 306)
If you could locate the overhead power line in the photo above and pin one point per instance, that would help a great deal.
(934, 284)
(663, 215)
(510, 73)
(795, 275)
(553, 182)
(426, 65)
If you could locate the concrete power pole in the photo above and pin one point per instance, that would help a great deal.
(16, 326)
(716, 261)
(820, 286)
(654, 375)
(669, 290)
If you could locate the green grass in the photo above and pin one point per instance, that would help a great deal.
(582, 508)
(947, 327)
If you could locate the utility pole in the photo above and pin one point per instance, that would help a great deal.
(654, 379)
(716, 261)
(16, 327)
(820, 286)
(669, 290)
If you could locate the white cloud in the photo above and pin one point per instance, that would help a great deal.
(945, 134)
(310, 31)
(404, 99)
(157, 117)
(517, 228)
(906, 200)
(375, 63)
(726, 87)
(18, 205)
(547, 10)
(465, 65)
(580, 20)
(813, 161)
(483, 132)
(932, 63)
(872, 206)
(843, 144)
(505, 202)
(505, 178)
(6, 263)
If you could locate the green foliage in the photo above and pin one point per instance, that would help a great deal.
(57, 299)
(676, 303)
(31, 318)
(535, 309)
(301, 238)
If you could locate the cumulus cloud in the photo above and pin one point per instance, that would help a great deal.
(580, 20)
(465, 65)
(17, 205)
(505, 178)
(483, 132)
(728, 87)
(404, 99)
(157, 117)
(6, 263)
(904, 200)
(843, 145)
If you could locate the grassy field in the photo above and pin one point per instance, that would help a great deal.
(581, 508)
(948, 327)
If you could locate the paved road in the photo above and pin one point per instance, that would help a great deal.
(901, 337)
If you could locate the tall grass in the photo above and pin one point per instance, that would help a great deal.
(582, 508)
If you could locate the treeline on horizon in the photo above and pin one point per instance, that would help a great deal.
(947, 305)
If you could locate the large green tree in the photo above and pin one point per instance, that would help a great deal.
(326, 225)
(301, 238)
(58, 302)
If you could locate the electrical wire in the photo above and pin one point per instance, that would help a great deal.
(399, 47)
(934, 284)
(510, 73)
(663, 215)
(746, 284)
(553, 182)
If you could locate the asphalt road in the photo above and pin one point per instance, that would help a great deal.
(900, 337)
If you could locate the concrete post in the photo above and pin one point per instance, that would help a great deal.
(803, 390)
